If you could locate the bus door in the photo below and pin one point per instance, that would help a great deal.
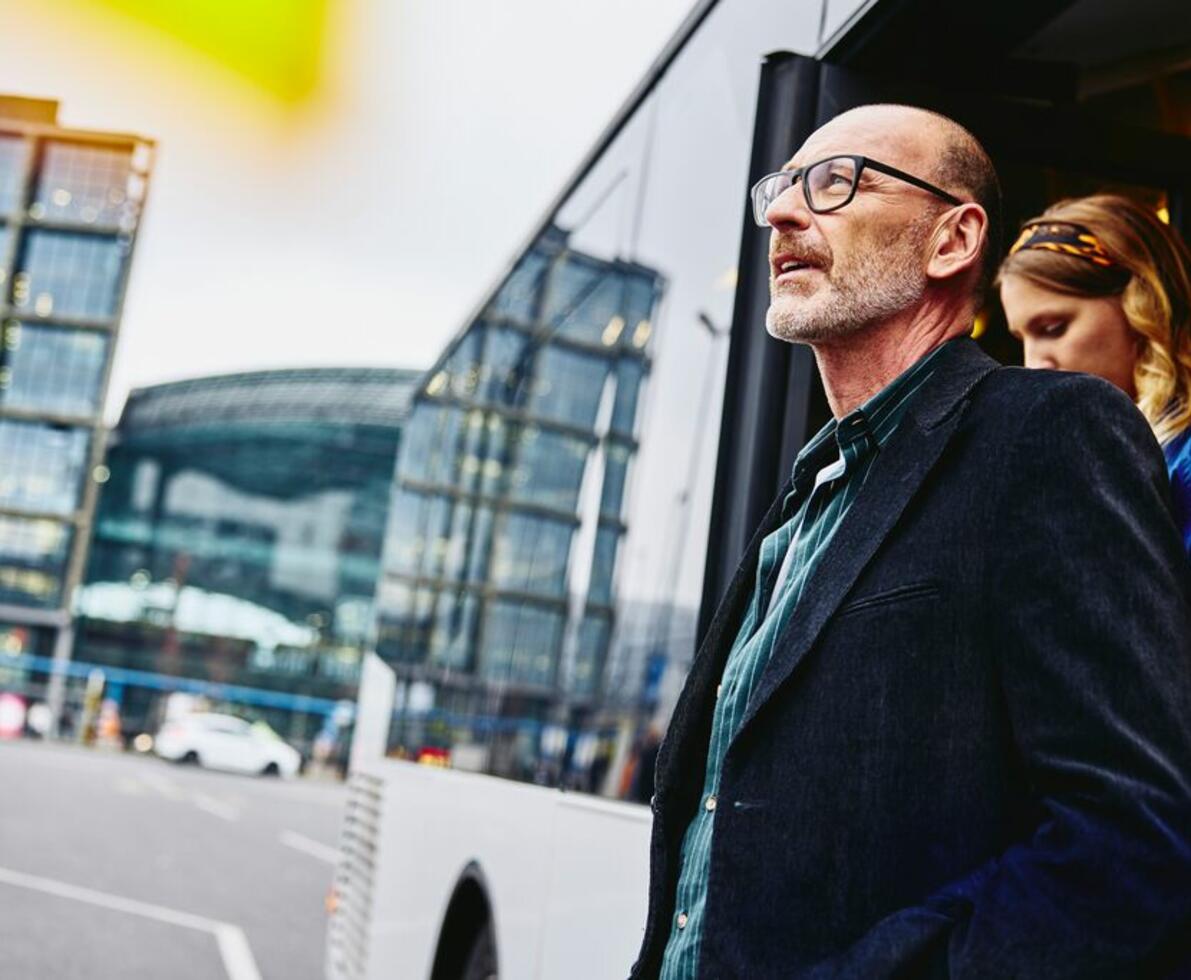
(1045, 148)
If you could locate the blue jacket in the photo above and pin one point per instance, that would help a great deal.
(970, 754)
(1178, 463)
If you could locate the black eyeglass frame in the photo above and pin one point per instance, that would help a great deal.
(861, 162)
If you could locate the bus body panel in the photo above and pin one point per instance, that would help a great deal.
(530, 846)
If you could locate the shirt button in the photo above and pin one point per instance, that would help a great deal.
(682, 920)
(710, 804)
(718, 688)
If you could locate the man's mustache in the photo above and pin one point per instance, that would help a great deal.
(799, 251)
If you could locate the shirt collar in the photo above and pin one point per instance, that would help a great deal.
(878, 417)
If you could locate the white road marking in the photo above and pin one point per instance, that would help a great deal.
(237, 954)
(234, 950)
(163, 784)
(218, 808)
(307, 846)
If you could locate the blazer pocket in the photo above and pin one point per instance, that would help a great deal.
(887, 597)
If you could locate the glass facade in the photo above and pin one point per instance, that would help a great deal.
(70, 274)
(70, 203)
(43, 466)
(506, 513)
(239, 535)
(544, 556)
(33, 555)
(52, 369)
(86, 184)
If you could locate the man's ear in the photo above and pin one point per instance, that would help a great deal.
(956, 244)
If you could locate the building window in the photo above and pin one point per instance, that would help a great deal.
(33, 556)
(530, 554)
(52, 369)
(14, 152)
(547, 468)
(460, 372)
(518, 297)
(616, 469)
(403, 621)
(567, 386)
(585, 297)
(521, 644)
(603, 565)
(453, 633)
(589, 657)
(69, 274)
(43, 466)
(430, 444)
(87, 184)
(629, 374)
(505, 367)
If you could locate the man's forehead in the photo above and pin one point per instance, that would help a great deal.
(902, 138)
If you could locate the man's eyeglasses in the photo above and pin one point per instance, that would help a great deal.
(830, 184)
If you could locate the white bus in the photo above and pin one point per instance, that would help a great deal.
(585, 462)
(444, 873)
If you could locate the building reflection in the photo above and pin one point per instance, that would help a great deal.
(238, 539)
(497, 602)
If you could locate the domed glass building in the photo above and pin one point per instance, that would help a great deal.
(237, 541)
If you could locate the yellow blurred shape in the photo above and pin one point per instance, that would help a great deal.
(277, 44)
(979, 325)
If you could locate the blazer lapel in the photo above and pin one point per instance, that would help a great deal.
(898, 472)
(694, 704)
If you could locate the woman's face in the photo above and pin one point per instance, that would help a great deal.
(1071, 333)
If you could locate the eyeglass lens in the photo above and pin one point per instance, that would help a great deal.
(829, 185)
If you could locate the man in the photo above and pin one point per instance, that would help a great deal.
(941, 723)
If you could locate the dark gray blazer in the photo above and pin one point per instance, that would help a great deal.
(970, 754)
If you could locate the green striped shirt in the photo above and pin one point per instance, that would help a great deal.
(838, 459)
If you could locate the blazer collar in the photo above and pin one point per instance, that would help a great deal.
(896, 475)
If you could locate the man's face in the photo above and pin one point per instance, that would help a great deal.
(833, 275)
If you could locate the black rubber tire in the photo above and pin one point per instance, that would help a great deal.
(191, 758)
(272, 769)
(481, 960)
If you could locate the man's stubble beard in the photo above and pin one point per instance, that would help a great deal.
(887, 279)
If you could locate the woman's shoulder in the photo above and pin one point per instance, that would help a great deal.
(1178, 455)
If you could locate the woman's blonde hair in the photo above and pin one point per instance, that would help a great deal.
(1150, 272)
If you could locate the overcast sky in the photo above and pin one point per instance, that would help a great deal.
(359, 223)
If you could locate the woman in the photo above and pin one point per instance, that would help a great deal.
(1099, 284)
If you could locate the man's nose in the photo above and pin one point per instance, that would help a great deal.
(789, 209)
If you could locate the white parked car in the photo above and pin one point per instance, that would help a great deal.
(226, 742)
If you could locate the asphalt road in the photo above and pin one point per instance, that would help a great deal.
(126, 866)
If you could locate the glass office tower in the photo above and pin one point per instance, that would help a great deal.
(497, 602)
(70, 205)
(238, 538)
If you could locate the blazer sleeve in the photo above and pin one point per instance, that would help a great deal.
(1086, 591)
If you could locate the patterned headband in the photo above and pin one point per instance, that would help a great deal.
(1064, 237)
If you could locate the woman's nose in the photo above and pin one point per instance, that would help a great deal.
(1038, 355)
